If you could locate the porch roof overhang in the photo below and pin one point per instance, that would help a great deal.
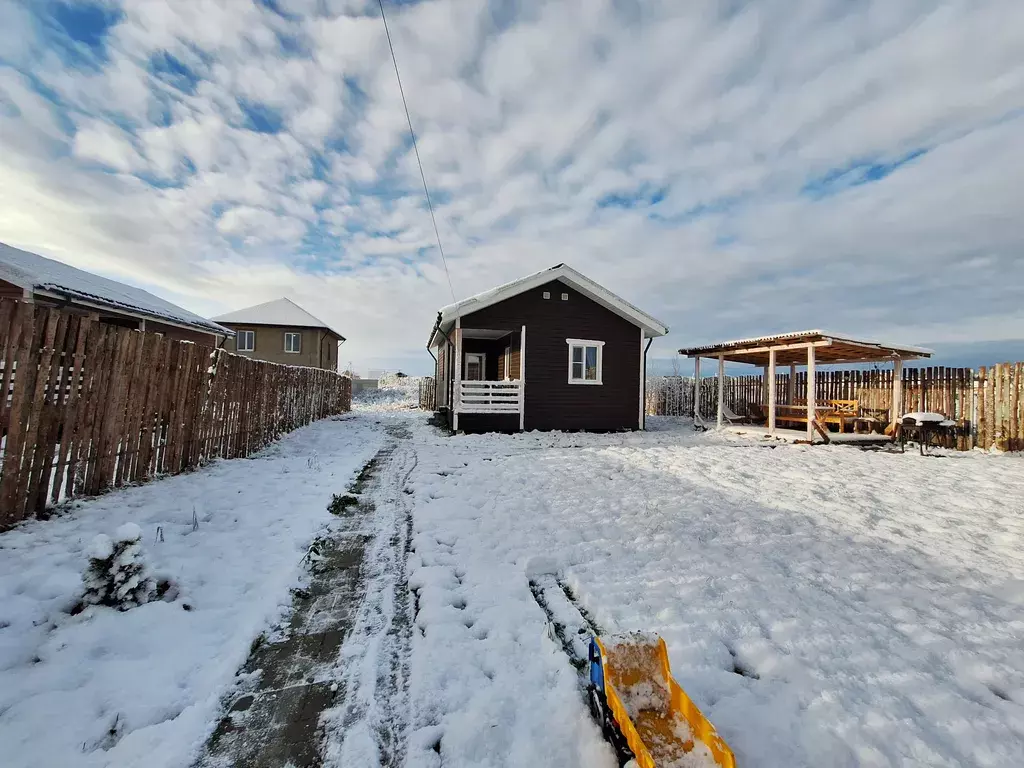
(597, 293)
(791, 349)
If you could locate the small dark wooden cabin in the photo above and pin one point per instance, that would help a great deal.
(550, 351)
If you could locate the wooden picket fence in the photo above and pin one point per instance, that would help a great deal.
(90, 406)
(987, 404)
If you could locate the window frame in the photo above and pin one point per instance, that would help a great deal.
(584, 344)
(483, 365)
(296, 335)
(245, 334)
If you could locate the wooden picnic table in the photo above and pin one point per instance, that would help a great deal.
(798, 412)
(827, 413)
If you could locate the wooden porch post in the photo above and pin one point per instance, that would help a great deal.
(457, 363)
(721, 390)
(771, 391)
(792, 383)
(643, 383)
(522, 380)
(696, 389)
(897, 391)
(811, 412)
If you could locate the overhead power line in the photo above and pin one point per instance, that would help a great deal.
(416, 149)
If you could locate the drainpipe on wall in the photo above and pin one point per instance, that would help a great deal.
(451, 382)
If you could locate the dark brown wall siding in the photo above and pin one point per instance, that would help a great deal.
(489, 422)
(551, 402)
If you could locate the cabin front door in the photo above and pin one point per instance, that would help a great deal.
(475, 362)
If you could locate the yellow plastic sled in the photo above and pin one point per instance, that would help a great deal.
(644, 711)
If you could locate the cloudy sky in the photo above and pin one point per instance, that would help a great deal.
(732, 167)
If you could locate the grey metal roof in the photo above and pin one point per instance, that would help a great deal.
(35, 273)
(281, 311)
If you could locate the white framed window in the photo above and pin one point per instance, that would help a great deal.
(585, 361)
(547, 294)
(245, 341)
(293, 342)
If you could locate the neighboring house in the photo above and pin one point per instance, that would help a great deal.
(553, 350)
(283, 332)
(30, 277)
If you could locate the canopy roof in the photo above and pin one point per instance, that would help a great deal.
(791, 348)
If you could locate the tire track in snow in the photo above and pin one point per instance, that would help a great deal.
(370, 727)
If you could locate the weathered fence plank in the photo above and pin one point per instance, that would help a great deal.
(87, 407)
(987, 405)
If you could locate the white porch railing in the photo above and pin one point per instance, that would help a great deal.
(489, 397)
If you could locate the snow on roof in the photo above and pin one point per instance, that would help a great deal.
(568, 275)
(35, 273)
(794, 335)
(281, 311)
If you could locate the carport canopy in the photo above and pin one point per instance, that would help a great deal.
(810, 348)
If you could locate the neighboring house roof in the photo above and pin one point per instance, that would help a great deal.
(39, 275)
(277, 312)
(566, 274)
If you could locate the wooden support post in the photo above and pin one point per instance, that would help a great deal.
(771, 392)
(696, 390)
(721, 391)
(764, 381)
(522, 380)
(457, 364)
(792, 383)
(811, 411)
(643, 382)
(897, 392)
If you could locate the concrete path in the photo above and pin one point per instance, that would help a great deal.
(306, 686)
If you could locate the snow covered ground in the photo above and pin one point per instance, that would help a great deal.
(392, 394)
(823, 606)
(144, 687)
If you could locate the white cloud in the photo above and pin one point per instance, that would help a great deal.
(527, 115)
(107, 144)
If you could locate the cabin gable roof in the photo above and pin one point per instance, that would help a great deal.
(587, 287)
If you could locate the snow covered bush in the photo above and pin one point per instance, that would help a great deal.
(116, 575)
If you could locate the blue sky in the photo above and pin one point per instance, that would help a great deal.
(734, 169)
